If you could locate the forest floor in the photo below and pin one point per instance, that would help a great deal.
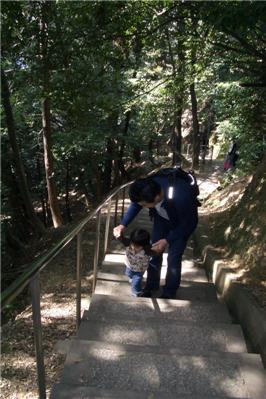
(58, 291)
(235, 214)
(58, 310)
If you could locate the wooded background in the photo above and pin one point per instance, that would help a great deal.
(90, 89)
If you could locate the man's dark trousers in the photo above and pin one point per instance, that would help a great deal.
(161, 229)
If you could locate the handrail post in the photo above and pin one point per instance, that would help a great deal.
(116, 206)
(78, 293)
(96, 252)
(123, 203)
(107, 226)
(37, 326)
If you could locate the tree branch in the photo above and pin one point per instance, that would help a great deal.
(145, 92)
(229, 48)
(250, 49)
(254, 84)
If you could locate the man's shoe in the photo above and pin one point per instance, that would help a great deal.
(165, 296)
(145, 294)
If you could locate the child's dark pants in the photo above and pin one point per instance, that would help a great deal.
(136, 279)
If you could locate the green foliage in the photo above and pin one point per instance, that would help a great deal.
(241, 117)
(119, 71)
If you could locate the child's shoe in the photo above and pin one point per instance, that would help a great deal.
(136, 294)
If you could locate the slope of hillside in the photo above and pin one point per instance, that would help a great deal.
(236, 215)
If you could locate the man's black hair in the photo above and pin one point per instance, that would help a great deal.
(140, 237)
(144, 190)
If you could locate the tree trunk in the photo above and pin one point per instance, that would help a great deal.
(181, 78)
(67, 192)
(195, 123)
(120, 173)
(177, 133)
(43, 193)
(81, 182)
(108, 165)
(150, 151)
(19, 219)
(23, 186)
(178, 123)
(46, 123)
(48, 163)
(137, 154)
(110, 175)
(178, 73)
(99, 191)
(120, 162)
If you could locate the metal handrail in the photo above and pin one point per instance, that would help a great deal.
(22, 281)
(31, 275)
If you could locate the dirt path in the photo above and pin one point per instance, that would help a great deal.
(209, 177)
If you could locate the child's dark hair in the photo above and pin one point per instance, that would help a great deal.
(140, 237)
(144, 190)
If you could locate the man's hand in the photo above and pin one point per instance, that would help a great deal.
(117, 231)
(159, 246)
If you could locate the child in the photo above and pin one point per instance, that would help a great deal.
(138, 254)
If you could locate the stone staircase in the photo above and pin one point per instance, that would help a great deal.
(150, 348)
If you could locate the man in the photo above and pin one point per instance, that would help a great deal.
(172, 201)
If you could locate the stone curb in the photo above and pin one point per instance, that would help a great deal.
(239, 301)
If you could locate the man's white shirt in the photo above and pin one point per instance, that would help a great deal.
(161, 211)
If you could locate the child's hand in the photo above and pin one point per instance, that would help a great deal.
(159, 246)
(117, 231)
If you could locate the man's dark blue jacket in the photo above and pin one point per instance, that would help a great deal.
(182, 209)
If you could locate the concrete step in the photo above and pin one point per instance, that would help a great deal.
(67, 391)
(118, 267)
(131, 367)
(112, 284)
(115, 258)
(116, 247)
(104, 307)
(195, 274)
(114, 264)
(170, 337)
(198, 275)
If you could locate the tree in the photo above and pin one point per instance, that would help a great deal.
(46, 116)
(113, 81)
(36, 224)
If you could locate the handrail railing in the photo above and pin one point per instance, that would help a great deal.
(22, 281)
(31, 275)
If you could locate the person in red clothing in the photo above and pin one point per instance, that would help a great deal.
(231, 157)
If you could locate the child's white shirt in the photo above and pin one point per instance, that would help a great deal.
(137, 262)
